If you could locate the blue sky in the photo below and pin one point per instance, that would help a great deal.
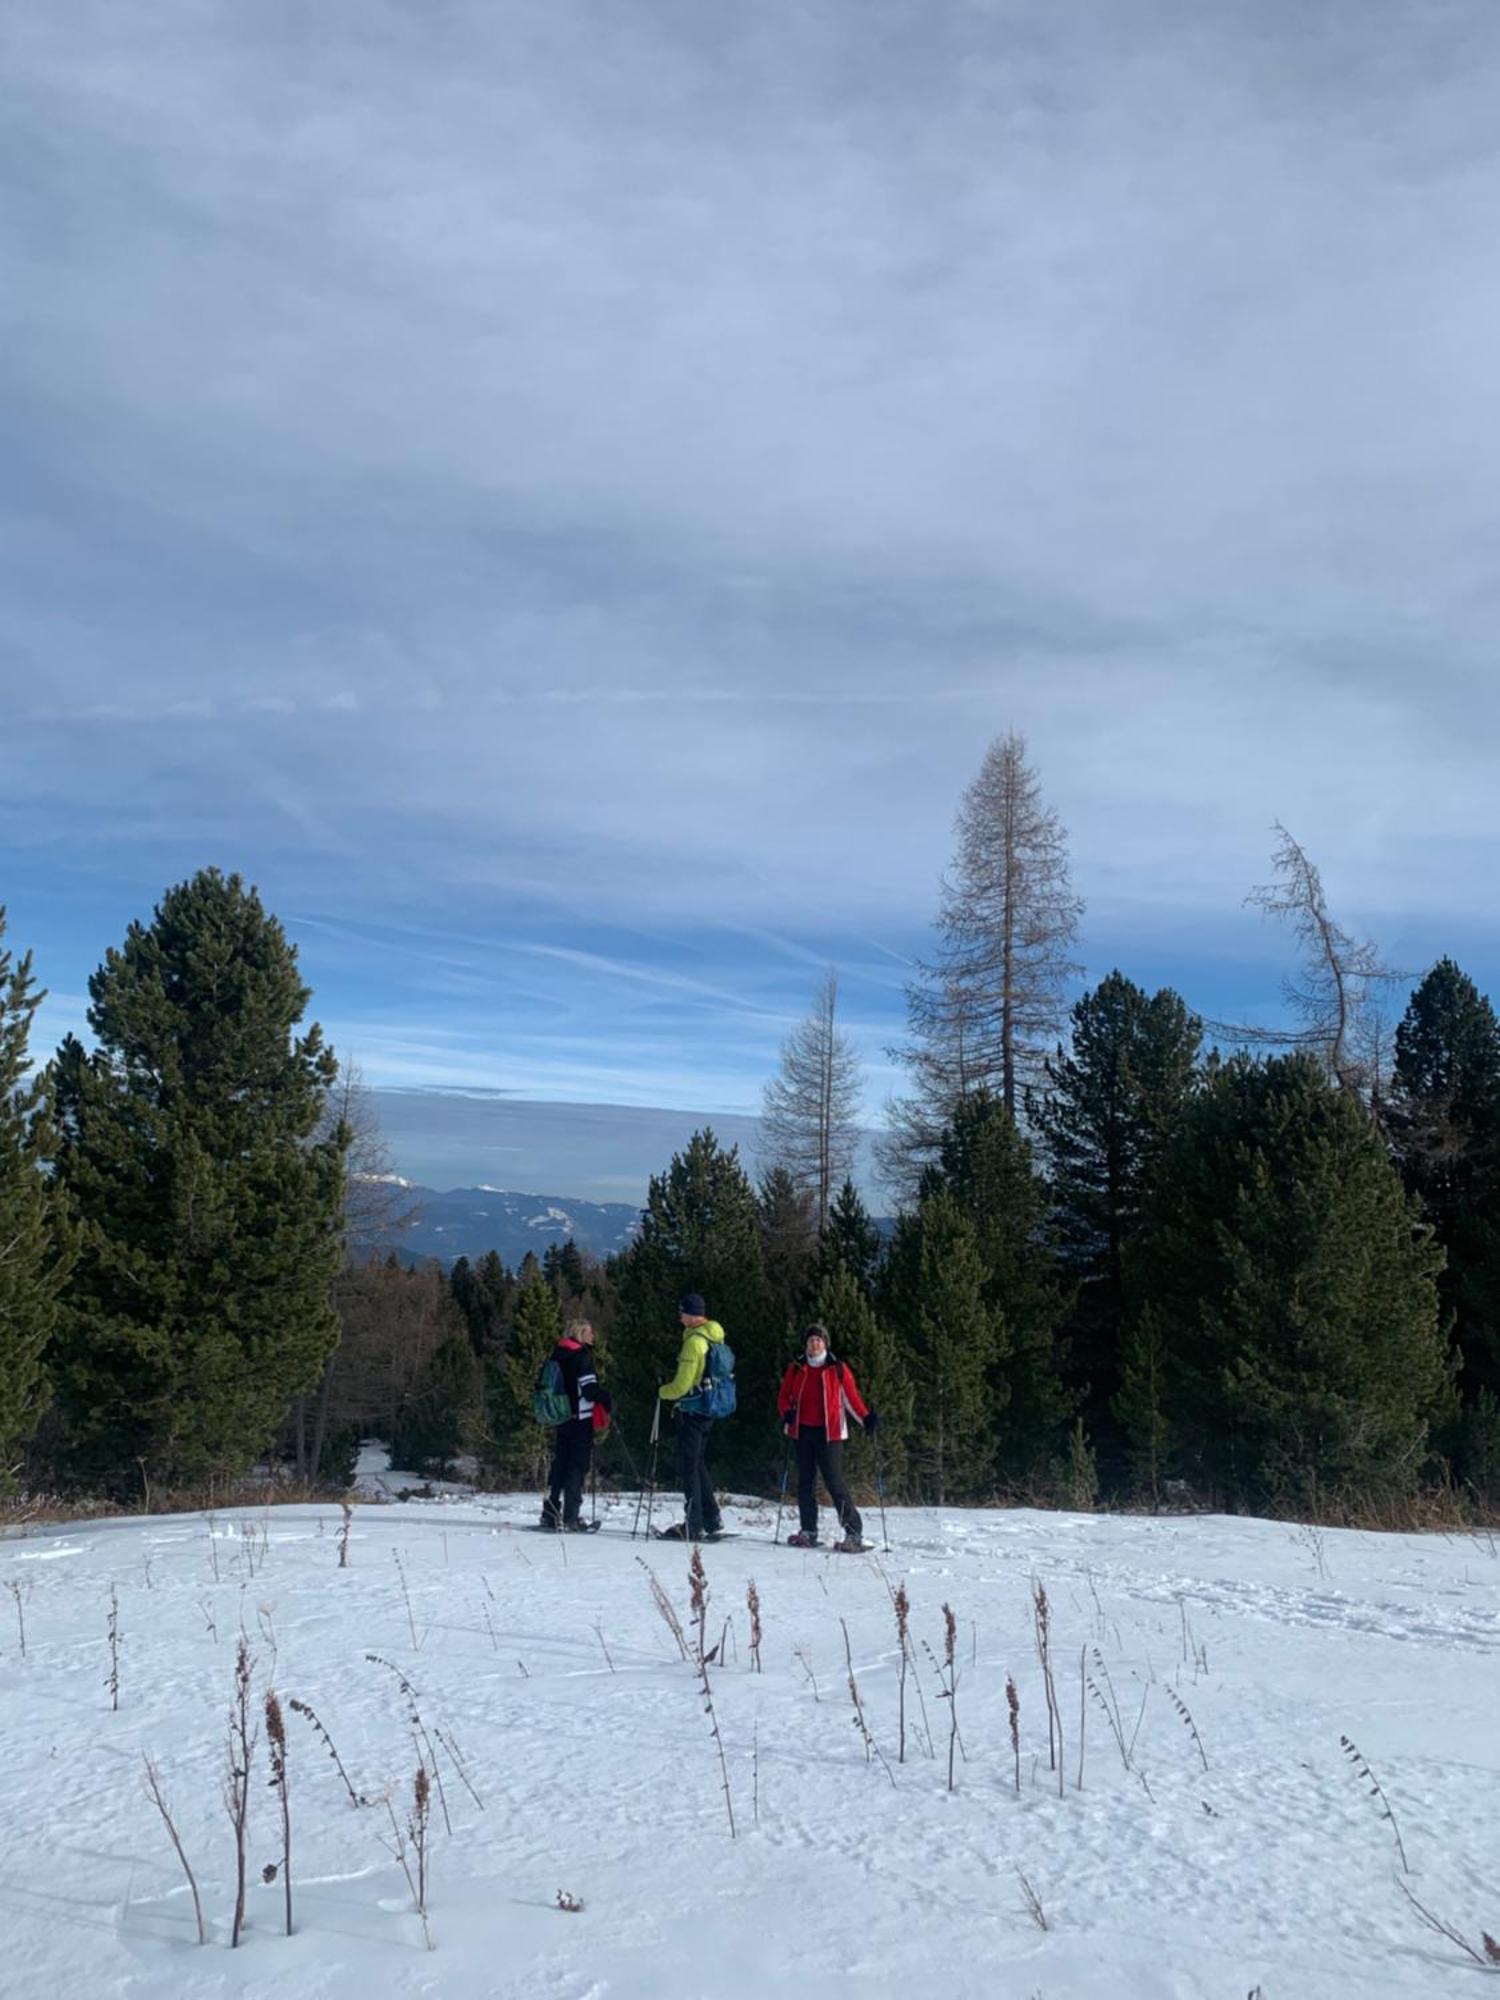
(562, 495)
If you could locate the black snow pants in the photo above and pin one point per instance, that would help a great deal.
(817, 1453)
(572, 1451)
(701, 1508)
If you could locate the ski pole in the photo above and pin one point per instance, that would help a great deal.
(885, 1533)
(786, 1466)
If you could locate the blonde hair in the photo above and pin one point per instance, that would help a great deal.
(577, 1328)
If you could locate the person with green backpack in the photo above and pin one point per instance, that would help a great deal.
(568, 1396)
(701, 1392)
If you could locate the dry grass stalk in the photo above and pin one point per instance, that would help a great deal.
(599, 1634)
(158, 1799)
(1083, 1690)
(410, 1846)
(451, 1746)
(302, 1708)
(1486, 1954)
(872, 1748)
(948, 1675)
(416, 1643)
(15, 1590)
(115, 1642)
(1013, 1704)
(344, 1533)
(1042, 1625)
(901, 1604)
(752, 1601)
(1185, 1715)
(1034, 1908)
(213, 1545)
(418, 1730)
(1103, 1691)
(698, 1589)
(276, 1744)
(1376, 1792)
(666, 1607)
(241, 1754)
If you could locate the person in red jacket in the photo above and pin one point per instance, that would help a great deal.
(818, 1396)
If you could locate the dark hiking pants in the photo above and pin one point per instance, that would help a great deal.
(701, 1509)
(572, 1449)
(815, 1454)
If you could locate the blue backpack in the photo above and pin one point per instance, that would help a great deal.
(714, 1395)
(549, 1399)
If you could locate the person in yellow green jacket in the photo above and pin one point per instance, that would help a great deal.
(701, 1520)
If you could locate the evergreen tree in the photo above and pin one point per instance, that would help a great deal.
(517, 1449)
(700, 1232)
(851, 1242)
(441, 1414)
(1111, 1100)
(954, 1346)
(1445, 1118)
(788, 1247)
(985, 1166)
(1293, 1291)
(859, 1337)
(32, 1256)
(209, 1219)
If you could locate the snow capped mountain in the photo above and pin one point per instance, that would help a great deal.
(466, 1222)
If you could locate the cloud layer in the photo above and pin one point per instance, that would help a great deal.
(589, 481)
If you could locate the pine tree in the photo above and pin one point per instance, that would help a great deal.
(788, 1247)
(859, 1337)
(517, 1449)
(954, 1346)
(985, 1166)
(1294, 1291)
(441, 1415)
(984, 1014)
(32, 1239)
(209, 1218)
(1110, 1102)
(809, 1124)
(700, 1232)
(851, 1242)
(1445, 1118)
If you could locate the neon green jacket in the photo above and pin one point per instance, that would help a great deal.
(690, 1360)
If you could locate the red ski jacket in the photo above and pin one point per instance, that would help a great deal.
(841, 1397)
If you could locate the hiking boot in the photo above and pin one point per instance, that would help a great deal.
(575, 1527)
(851, 1545)
(677, 1533)
(802, 1540)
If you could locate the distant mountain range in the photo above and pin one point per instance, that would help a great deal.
(465, 1222)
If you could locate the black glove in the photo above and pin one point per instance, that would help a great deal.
(872, 1423)
(605, 1400)
(789, 1421)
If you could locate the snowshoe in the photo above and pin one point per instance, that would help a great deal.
(851, 1545)
(801, 1540)
(676, 1533)
(580, 1527)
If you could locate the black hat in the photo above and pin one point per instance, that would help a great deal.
(691, 1303)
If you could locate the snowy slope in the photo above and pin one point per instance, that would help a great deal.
(1271, 1869)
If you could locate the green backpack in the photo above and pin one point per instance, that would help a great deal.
(549, 1399)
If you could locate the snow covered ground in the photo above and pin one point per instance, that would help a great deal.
(551, 1674)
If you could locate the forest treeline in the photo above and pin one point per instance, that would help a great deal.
(1136, 1256)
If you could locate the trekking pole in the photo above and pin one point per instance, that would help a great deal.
(655, 1445)
(786, 1466)
(648, 1484)
(885, 1533)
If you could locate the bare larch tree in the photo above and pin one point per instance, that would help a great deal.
(988, 1009)
(1335, 993)
(810, 1111)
